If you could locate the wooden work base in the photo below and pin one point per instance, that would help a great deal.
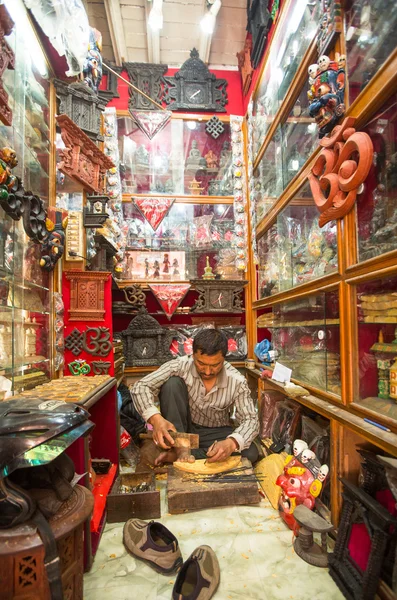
(189, 496)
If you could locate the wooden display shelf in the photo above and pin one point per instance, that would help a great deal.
(136, 370)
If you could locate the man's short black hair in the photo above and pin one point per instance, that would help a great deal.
(210, 342)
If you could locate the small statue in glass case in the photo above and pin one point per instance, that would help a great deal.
(156, 267)
(166, 263)
(211, 160)
(142, 158)
(226, 154)
(147, 265)
(175, 266)
(195, 160)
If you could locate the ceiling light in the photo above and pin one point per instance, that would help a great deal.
(207, 23)
(155, 19)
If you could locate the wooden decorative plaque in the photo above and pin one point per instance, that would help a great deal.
(82, 160)
(87, 295)
(245, 66)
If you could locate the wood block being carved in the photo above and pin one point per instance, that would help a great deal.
(87, 295)
(200, 467)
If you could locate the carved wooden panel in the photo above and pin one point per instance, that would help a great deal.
(7, 61)
(245, 66)
(340, 169)
(82, 105)
(87, 295)
(82, 160)
(221, 296)
(148, 78)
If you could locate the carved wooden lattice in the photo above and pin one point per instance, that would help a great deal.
(148, 78)
(87, 295)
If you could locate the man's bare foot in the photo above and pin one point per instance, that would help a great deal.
(174, 455)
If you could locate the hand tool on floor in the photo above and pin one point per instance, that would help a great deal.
(185, 442)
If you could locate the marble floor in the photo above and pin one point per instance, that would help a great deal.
(253, 546)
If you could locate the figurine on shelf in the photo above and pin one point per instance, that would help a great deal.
(195, 160)
(92, 68)
(142, 158)
(147, 265)
(156, 267)
(175, 266)
(30, 342)
(8, 161)
(166, 263)
(226, 154)
(128, 266)
(195, 187)
(5, 344)
(208, 273)
(211, 160)
(326, 93)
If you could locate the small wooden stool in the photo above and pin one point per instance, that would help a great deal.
(22, 571)
(304, 544)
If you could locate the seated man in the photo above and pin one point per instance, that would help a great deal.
(198, 394)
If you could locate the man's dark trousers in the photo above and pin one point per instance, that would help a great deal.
(174, 406)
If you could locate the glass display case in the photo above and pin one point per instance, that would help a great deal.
(377, 346)
(377, 206)
(295, 249)
(370, 30)
(268, 177)
(182, 159)
(25, 332)
(178, 249)
(305, 336)
(292, 39)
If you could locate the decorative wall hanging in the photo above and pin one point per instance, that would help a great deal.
(331, 25)
(260, 20)
(74, 341)
(340, 169)
(87, 295)
(169, 295)
(7, 61)
(356, 580)
(146, 77)
(53, 244)
(113, 184)
(151, 123)
(96, 341)
(74, 237)
(95, 213)
(92, 68)
(240, 238)
(252, 183)
(153, 209)
(59, 327)
(245, 66)
(135, 296)
(218, 296)
(82, 160)
(101, 367)
(145, 342)
(79, 367)
(82, 105)
(108, 89)
(310, 474)
(326, 93)
(194, 87)
(214, 127)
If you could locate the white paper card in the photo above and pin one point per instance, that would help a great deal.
(281, 373)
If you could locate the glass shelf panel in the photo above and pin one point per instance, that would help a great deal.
(177, 157)
(305, 333)
(268, 176)
(377, 345)
(370, 39)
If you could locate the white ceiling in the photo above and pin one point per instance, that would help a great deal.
(126, 22)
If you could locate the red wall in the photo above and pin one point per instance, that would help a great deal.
(234, 92)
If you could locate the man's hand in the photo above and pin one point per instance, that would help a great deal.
(161, 427)
(222, 450)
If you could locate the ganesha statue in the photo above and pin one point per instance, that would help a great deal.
(301, 482)
(326, 92)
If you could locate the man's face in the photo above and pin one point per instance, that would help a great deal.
(208, 367)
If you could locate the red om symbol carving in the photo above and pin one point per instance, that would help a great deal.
(341, 167)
